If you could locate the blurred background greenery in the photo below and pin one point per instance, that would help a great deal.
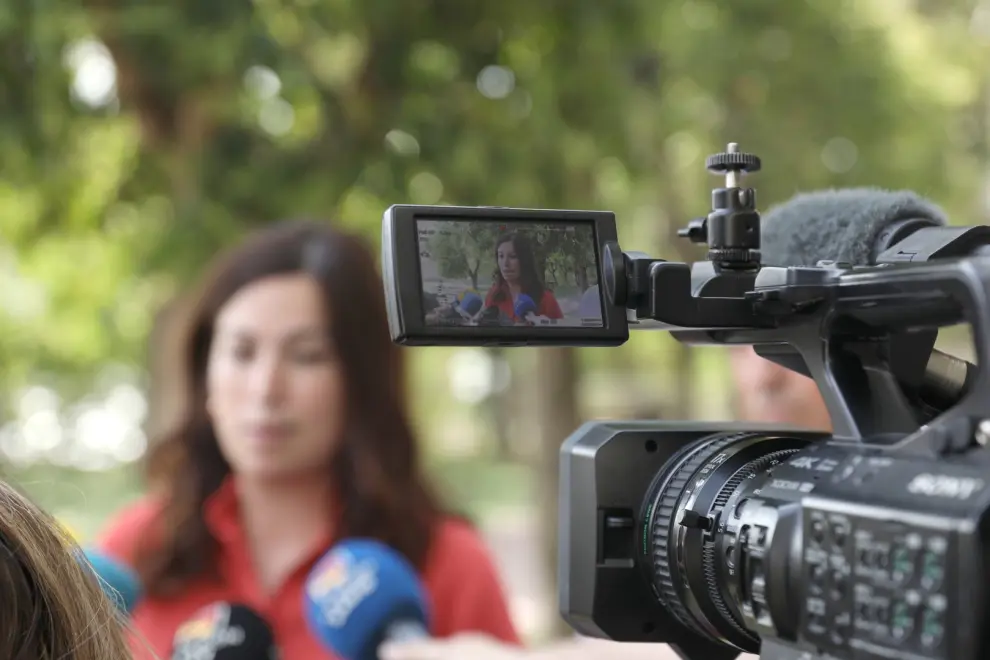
(139, 137)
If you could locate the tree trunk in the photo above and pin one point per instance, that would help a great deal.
(165, 385)
(581, 275)
(680, 405)
(499, 407)
(554, 373)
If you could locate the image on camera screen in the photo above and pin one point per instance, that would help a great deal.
(479, 273)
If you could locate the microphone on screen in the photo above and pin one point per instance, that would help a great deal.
(524, 307)
(471, 303)
(362, 594)
(861, 226)
(118, 581)
(224, 631)
(493, 316)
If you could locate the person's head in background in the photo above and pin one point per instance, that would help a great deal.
(515, 265)
(767, 392)
(291, 382)
(51, 608)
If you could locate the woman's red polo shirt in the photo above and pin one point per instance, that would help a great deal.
(460, 578)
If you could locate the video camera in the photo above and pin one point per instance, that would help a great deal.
(726, 538)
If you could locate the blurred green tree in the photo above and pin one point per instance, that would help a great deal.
(201, 120)
(465, 253)
(140, 138)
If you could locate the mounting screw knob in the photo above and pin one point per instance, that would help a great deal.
(732, 161)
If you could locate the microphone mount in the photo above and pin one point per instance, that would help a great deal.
(732, 229)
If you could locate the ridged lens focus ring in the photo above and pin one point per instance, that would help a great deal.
(670, 492)
(688, 571)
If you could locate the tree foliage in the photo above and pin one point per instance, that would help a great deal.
(223, 115)
(465, 252)
(230, 114)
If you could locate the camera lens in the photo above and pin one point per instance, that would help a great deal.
(709, 536)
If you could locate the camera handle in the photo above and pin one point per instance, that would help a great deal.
(855, 351)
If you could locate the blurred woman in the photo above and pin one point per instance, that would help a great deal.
(516, 274)
(767, 392)
(295, 435)
(51, 607)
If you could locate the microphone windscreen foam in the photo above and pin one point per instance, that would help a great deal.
(119, 582)
(524, 306)
(471, 303)
(838, 225)
(224, 631)
(358, 594)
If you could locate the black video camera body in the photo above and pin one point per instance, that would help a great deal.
(728, 538)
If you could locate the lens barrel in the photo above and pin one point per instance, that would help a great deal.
(697, 540)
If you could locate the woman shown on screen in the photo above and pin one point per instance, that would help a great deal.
(518, 290)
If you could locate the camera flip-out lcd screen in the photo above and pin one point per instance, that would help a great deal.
(497, 276)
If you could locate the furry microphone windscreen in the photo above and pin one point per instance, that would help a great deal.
(837, 225)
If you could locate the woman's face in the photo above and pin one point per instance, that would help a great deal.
(275, 389)
(508, 262)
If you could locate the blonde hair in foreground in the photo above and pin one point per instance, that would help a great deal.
(51, 607)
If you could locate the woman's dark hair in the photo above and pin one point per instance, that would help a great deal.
(530, 280)
(376, 472)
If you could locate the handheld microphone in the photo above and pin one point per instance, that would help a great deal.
(856, 226)
(362, 594)
(524, 307)
(120, 584)
(492, 316)
(224, 631)
(471, 303)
